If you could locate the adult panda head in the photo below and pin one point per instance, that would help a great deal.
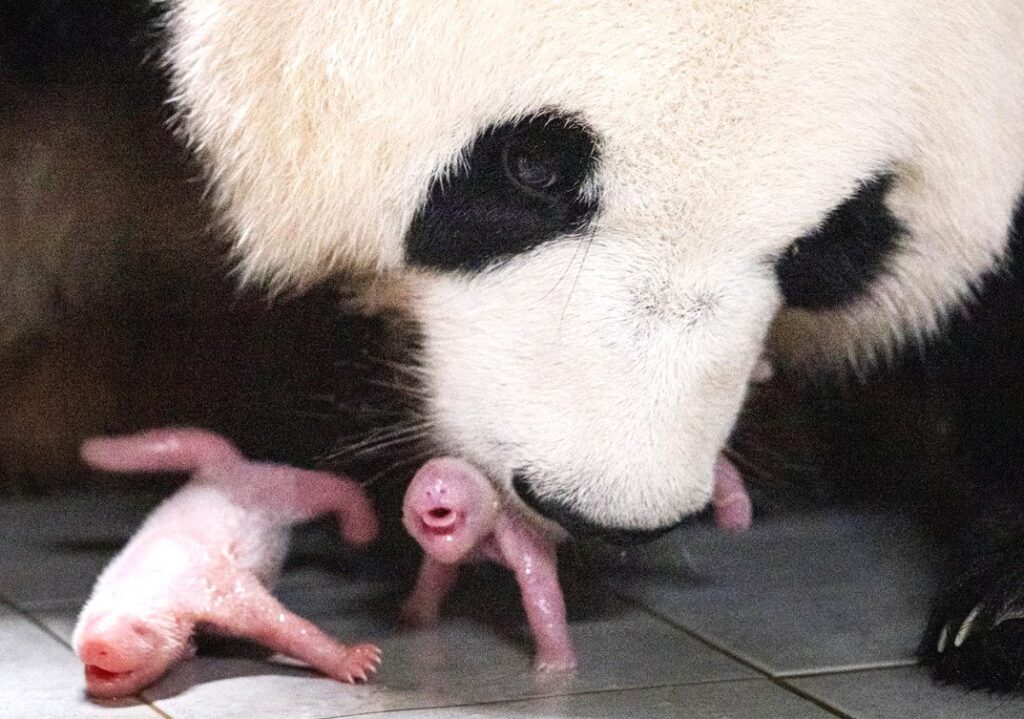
(598, 211)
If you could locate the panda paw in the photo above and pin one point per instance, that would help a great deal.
(975, 635)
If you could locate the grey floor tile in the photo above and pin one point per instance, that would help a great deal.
(53, 550)
(41, 679)
(480, 653)
(101, 516)
(740, 700)
(48, 576)
(906, 694)
(795, 594)
(60, 620)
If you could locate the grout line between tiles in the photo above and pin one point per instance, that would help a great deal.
(555, 695)
(35, 621)
(778, 680)
(157, 709)
(32, 619)
(541, 697)
(863, 669)
(807, 696)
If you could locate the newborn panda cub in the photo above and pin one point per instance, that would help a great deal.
(206, 559)
(455, 514)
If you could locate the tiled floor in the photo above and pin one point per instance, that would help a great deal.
(804, 617)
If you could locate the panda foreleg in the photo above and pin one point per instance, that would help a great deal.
(975, 634)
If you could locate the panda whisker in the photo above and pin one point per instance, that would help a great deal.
(761, 466)
(565, 271)
(383, 445)
(586, 252)
(381, 439)
(409, 460)
(364, 410)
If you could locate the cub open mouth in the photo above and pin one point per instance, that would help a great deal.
(98, 673)
(439, 521)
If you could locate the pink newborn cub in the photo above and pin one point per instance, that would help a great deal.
(455, 514)
(206, 559)
(452, 510)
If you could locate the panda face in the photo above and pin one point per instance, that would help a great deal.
(598, 211)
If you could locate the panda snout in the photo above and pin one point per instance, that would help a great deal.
(580, 526)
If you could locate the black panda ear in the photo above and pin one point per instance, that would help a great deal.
(836, 263)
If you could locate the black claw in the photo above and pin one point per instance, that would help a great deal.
(982, 648)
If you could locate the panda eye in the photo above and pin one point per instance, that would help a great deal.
(531, 172)
(546, 160)
(516, 186)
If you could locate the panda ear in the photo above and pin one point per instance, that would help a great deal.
(948, 234)
(837, 262)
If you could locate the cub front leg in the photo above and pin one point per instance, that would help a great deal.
(435, 582)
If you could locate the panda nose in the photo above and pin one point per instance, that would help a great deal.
(579, 525)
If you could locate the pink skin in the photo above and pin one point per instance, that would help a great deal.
(763, 372)
(731, 503)
(454, 513)
(205, 559)
(452, 510)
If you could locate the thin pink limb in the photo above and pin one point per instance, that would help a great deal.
(161, 450)
(533, 560)
(188, 450)
(763, 372)
(733, 510)
(314, 494)
(251, 612)
(422, 608)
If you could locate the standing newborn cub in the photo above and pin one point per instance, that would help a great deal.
(455, 514)
(205, 559)
(452, 510)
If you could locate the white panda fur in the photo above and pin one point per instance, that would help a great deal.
(611, 364)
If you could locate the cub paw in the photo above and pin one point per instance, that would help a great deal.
(555, 662)
(975, 634)
(361, 662)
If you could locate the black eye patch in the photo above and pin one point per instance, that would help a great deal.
(518, 187)
(837, 262)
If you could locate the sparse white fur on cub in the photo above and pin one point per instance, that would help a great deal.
(611, 365)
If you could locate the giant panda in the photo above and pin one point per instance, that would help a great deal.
(601, 214)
